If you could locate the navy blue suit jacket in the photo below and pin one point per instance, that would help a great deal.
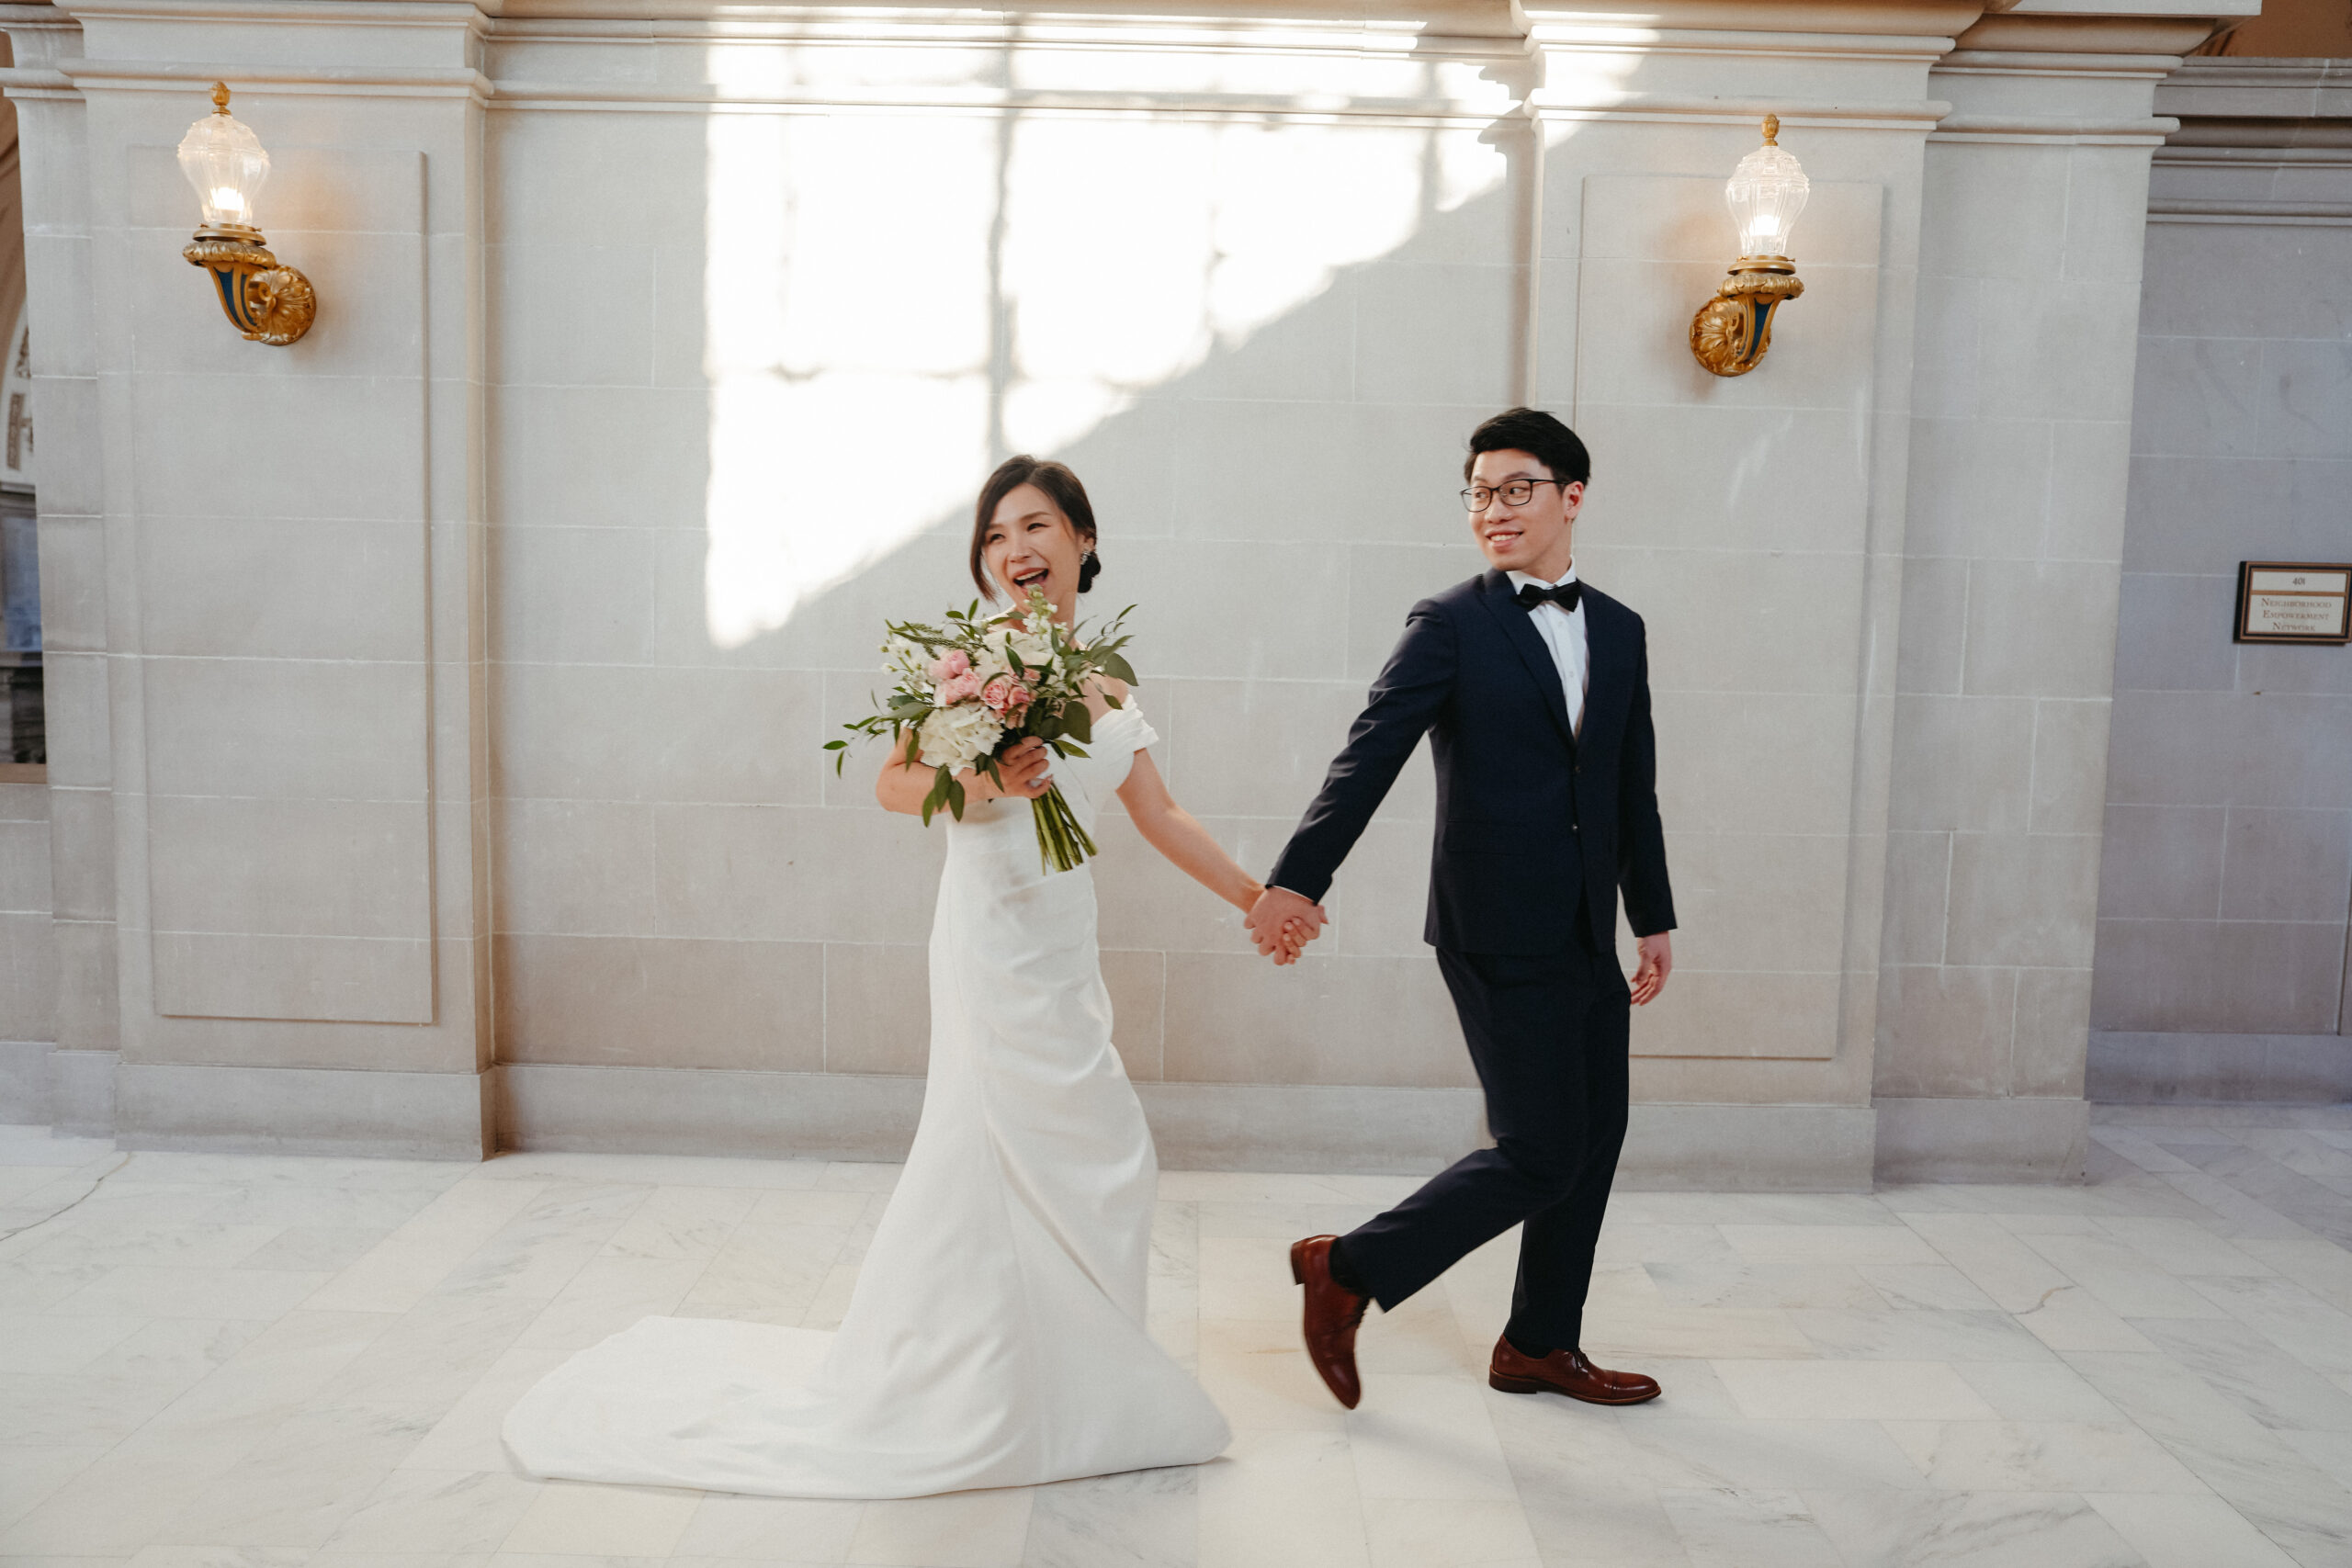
(1526, 808)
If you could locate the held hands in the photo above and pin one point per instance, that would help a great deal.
(1657, 963)
(1282, 923)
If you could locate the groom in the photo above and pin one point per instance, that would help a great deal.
(1534, 691)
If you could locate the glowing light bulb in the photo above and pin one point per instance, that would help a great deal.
(225, 164)
(1765, 194)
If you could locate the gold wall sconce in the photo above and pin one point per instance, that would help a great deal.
(228, 165)
(1731, 332)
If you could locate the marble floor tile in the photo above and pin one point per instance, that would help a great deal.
(1146, 1519)
(1630, 1335)
(1948, 1529)
(1261, 1380)
(397, 1272)
(2329, 1452)
(962, 1529)
(1280, 1222)
(580, 1519)
(786, 1530)
(1725, 1528)
(2254, 1374)
(536, 1253)
(1996, 1261)
(2320, 1267)
(30, 1477)
(2187, 1532)
(435, 1512)
(2235, 1213)
(1734, 1281)
(1282, 1499)
(2068, 1317)
(1927, 1333)
(2182, 1247)
(857, 1176)
(2311, 1330)
(1427, 1437)
(2040, 1456)
(2046, 1390)
(682, 1222)
(2154, 1367)
(142, 1291)
(1615, 1531)
(1246, 1277)
(1777, 1456)
(44, 1343)
(1909, 1287)
(1829, 1244)
(1851, 1391)
(2283, 1495)
(1449, 1534)
(297, 1485)
(324, 1248)
(1252, 1187)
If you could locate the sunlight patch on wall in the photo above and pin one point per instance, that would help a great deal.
(894, 301)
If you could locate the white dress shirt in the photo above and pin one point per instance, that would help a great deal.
(1562, 633)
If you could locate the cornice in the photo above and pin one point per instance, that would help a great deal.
(180, 76)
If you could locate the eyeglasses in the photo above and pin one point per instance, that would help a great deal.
(1518, 493)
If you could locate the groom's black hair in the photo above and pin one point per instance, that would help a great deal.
(1539, 436)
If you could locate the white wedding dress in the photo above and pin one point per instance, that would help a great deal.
(996, 1334)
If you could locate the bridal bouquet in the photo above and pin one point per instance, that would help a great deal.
(965, 693)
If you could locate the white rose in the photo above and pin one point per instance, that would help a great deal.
(1035, 649)
(955, 738)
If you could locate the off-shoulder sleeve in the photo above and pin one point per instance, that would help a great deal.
(1126, 728)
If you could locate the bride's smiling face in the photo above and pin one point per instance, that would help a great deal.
(1030, 544)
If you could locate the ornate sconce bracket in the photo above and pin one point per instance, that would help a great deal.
(268, 303)
(1732, 332)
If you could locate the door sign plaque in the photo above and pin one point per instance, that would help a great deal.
(2283, 600)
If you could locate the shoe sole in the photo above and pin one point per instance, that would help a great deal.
(1502, 1384)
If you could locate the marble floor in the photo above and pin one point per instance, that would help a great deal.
(213, 1362)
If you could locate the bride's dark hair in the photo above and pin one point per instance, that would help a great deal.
(1061, 486)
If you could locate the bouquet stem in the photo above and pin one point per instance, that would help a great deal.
(1062, 843)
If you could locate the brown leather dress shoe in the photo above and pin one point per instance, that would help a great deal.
(1566, 1372)
(1332, 1313)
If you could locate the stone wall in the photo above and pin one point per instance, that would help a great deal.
(457, 747)
(2228, 864)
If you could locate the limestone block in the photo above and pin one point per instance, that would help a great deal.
(661, 1001)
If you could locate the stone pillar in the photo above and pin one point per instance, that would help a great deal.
(75, 565)
(2020, 419)
(271, 604)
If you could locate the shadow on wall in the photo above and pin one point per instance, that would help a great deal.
(1260, 342)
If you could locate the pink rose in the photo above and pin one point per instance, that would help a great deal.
(949, 665)
(1006, 695)
(958, 688)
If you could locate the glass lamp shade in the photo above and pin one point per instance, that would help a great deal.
(227, 165)
(1765, 194)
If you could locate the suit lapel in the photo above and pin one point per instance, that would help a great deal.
(1519, 630)
(1609, 656)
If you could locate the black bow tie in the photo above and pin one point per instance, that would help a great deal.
(1565, 595)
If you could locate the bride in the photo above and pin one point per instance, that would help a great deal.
(996, 1334)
